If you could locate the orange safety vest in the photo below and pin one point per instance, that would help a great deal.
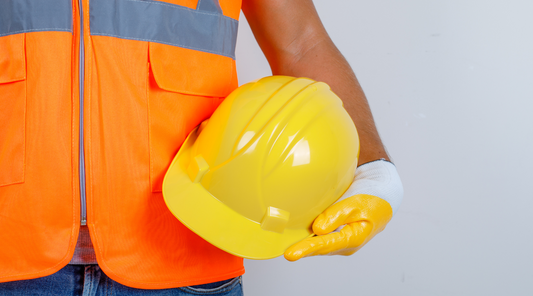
(96, 98)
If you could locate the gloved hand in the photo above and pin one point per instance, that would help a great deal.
(365, 209)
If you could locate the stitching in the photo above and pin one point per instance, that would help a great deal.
(37, 30)
(88, 81)
(167, 43)
(218, 290)
(147, 86)
(233, 72)
(23, 54)
(88, 280)
(73, 159)
(159, 284)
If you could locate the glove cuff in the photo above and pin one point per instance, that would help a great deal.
(378, 178)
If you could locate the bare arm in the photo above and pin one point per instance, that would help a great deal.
(295, 43)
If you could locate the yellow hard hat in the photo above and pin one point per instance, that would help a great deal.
(273, 156)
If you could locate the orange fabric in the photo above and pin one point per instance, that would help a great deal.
(231, 8)
(12, 111)
(12, 60)
(141, 100)
(187, 3)
(39, 218)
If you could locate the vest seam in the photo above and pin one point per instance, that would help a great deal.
(108, 271)
(37, 30)
(233, 71)
(147, 92)
(36, 273)
(23, 54)
(74, 162)
(74, 142)
(161, 42)
(88, 61)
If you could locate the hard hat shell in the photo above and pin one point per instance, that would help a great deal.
(273, 156)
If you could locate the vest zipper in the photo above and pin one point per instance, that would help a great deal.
(83, 204)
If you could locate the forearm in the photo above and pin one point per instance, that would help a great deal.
(302, 48)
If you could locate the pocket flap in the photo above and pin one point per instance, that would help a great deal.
(12, 58)
(192, 72)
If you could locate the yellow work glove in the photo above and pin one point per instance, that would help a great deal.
(360, 210)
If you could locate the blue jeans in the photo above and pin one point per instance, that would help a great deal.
(89, 280)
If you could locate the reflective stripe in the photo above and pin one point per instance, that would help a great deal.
(200, 29)
(21, 16)
(209, 5)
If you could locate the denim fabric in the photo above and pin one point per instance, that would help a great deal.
(89, 280)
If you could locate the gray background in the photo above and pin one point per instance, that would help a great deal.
(450, 86)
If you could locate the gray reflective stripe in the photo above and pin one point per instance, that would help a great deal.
(209, 5)
(165, 23)
(21, 16)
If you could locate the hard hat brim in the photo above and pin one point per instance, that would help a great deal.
(215, 222)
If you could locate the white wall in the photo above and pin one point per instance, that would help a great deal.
(450, 86)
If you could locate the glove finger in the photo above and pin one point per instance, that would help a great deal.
(333, 217)
(317, 245)
(346, 242)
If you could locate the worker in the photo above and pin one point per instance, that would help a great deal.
(96, 97)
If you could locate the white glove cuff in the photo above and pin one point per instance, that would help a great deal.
(378, 178)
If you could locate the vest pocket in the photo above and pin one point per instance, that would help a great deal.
(193, 72)
(12, 108)
(185, 87)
